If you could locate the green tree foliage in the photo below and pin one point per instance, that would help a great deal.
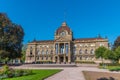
(109, 54)
(99, 53)
(11, 37)
(116, 43)
(117, 53)
(24, 47)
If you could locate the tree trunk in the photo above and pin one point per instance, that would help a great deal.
(103, 65)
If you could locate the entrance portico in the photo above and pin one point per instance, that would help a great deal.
(62, 52)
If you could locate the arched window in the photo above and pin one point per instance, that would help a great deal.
(92, 51)
(86, 51)
(47, 52)
(80, 51)
(30, 50)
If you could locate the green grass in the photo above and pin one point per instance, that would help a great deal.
(111, 68)
(108, 67)
(37, 75)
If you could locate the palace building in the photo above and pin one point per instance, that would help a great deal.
(64, 48)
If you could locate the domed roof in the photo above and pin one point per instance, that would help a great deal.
(62, 28)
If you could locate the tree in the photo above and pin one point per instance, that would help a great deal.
(116, 43)
(24, 47)
(99, 52)
(109, 54)
(117, 53)
(11, 37)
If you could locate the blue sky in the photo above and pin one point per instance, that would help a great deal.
(86, 18)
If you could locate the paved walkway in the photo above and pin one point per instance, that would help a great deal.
(68, 73)
(74, 73)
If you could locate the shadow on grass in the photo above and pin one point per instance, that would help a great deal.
(104, 78)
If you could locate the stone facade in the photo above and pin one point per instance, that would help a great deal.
(64, 49)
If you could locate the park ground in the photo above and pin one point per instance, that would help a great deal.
(76, 73)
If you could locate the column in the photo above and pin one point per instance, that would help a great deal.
(69, 53)
(58, 48)
(58, 53)
(54, 51)
(64, 53)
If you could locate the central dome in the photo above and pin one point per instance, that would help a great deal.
(63, 27)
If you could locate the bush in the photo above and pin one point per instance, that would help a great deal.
(19, 72)
(10, 73)
(23, 72)
(5, 69)
(27, 72)
(3, 76)
(7, 72)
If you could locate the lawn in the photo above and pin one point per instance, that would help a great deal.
(108, 67)
(37, 75)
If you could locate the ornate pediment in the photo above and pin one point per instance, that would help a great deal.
(61, 39)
